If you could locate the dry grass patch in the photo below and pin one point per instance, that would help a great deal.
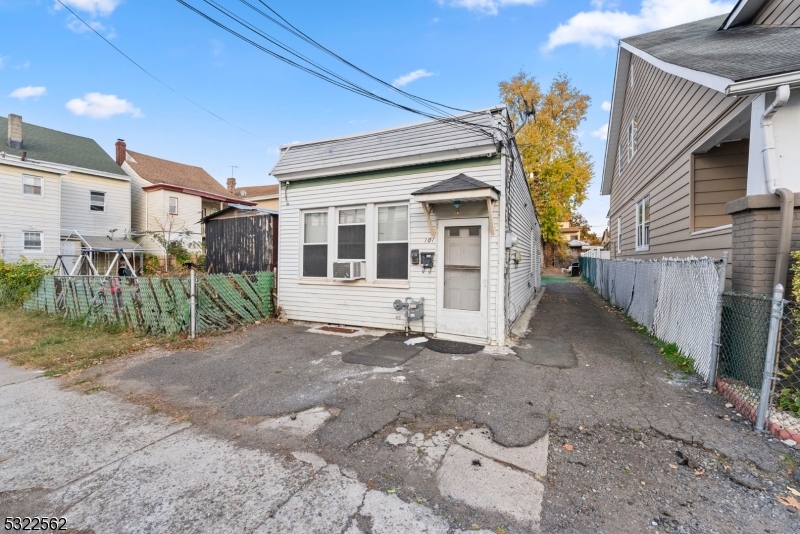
(59, 346)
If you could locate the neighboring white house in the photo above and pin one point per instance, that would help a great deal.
(435, 211)
(52, 185)
(168, 199)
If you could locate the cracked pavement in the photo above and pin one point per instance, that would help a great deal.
(197, 439)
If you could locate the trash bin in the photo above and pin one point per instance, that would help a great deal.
(575, 269)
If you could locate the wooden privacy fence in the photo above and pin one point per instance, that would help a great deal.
(157, 305)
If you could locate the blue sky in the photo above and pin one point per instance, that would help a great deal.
(56, 74)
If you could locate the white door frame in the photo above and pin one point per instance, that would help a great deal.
(473, 319)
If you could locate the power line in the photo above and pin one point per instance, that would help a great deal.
(126, 56)
(332, 78)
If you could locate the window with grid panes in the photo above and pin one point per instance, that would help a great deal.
(315, 244)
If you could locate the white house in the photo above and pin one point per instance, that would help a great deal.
(168, 199)
(53, 187)
(432, 210)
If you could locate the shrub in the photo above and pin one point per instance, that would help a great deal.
(18, 280)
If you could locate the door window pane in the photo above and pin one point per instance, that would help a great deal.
(462, 268)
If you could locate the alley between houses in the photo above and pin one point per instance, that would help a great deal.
(268, 430)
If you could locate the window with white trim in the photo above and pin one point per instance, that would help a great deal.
(643, 224)
(351, 233)
(32, 185)
(392, 246)
(315, 244)
(97, 201)
(32, 241)
(619, 235)
(173, 205)
(628, 143)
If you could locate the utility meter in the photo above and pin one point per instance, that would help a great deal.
(426, 259)
(415, 256)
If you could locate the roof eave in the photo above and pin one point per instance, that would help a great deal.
(483, 150)
(197, 193)
(625, 51)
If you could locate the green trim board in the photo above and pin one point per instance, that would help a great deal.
(397, 171)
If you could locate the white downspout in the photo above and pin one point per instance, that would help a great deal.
(770, 157)
(769, 153)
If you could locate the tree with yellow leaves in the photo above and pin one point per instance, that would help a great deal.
(559, 172)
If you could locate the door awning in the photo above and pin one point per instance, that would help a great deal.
(460, 188)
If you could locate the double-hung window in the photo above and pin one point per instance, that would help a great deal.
(392, 251)
(32, 185)
(173, 205)
(643, 224)
(315, 244)
(32, 241)
(97, 201)
(352, 234)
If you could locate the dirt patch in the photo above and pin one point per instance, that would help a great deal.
(616, 479)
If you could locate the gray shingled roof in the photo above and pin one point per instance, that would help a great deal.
(462, 182)
(46, 145)
(740, 53)
(338, 156)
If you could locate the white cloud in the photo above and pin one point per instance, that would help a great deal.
(603, 28)
(77, 26)
(23, 66)
(100, 106)
(95, 7)
(406, 79)
(601, 133)
(28, 92)
(606, 106)
(487, 7)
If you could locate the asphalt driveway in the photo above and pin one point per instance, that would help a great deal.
(582, 388)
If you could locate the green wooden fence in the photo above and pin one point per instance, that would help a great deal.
(157, 305)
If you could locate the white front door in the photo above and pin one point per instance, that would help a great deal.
(463, 279)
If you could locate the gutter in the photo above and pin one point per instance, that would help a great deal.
(770, 157)
(761, 85)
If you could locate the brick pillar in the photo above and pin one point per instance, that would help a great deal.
(756, 219)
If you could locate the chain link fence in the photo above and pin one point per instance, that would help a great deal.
(756, 361)
(157, 305)
(675, 299)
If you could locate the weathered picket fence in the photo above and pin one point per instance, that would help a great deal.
(157, 305)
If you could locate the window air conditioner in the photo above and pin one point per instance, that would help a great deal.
(349, 270)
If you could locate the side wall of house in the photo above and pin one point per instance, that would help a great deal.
(76, 215)
(367, 302)
(138, 223)
(674, 115)
(20, 213)
(160, 221)
(779, 13)
(525, 276)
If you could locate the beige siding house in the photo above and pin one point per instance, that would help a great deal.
(686, 136)
(53, 187)
(169, 199)
(429, 211)
(264, 196)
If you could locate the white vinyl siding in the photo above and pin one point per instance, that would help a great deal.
(32, 185)
(369, 302)
(21, 213)
(525, 276)
(76, 205)
(171, 226)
